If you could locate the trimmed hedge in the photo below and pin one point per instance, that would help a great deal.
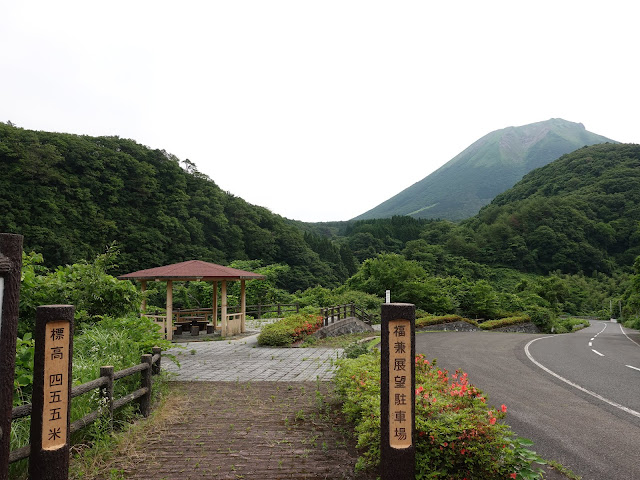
(289, 330)
(432, 320)
(504, 322)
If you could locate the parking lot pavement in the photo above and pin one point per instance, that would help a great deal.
(242, 361)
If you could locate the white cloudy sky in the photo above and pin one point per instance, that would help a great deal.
(317, 110)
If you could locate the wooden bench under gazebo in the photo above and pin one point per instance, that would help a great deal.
(194, 271)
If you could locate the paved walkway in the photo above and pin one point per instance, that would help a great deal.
(243, 361)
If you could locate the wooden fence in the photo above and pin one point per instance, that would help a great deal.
(339, 312)
(256, 311)
(150, 365)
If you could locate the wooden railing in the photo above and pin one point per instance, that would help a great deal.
(256, 311)
(150, 365)
(339, 312)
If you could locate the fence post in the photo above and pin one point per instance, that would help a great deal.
(397, 401)
(51, 400)
(10, 270)
(155, 370)
(106, 392)
(145, 400)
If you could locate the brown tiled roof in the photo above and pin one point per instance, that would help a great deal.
(192, 270)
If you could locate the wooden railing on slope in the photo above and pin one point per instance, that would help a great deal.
(339, 312)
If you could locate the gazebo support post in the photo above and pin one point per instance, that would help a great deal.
(214, 304)
(168, 322)
(243, 304)
(143, 288)
(223, 311)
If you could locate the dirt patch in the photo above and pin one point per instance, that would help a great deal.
(261, 430)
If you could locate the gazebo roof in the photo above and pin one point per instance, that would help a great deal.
(192, 270)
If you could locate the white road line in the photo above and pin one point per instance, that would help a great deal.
(574, 385)
(635, 368)
(597, 352)
(624, 333)
(591, 344)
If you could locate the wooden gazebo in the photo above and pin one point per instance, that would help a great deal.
(197, 270)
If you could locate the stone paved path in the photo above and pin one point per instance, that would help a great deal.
(242, 361)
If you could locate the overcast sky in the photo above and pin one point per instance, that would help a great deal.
(318, 110)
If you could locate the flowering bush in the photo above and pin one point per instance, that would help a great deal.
(458, 435)
(289, 330)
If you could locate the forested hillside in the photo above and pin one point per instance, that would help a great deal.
(580, 213)
(71, 196)
(488, 167)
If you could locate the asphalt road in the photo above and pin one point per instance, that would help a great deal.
(575, 395)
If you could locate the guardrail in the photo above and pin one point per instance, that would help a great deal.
(150, 365)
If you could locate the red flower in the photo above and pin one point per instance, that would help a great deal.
(513, 475)
(504, 410)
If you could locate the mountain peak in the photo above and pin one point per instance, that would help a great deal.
(486, 168)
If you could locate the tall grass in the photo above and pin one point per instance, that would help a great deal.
(115, 342)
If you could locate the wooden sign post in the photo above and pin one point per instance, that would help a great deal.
(50, 425)
(10, 270)
(397, 402)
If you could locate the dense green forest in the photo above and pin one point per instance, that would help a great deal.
(71, 196)
(563, 240)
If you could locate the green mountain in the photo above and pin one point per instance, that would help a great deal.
(580, 213)
(488, 167)
(71, 196)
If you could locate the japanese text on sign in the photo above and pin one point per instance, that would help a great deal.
(56, 391)
(400, 408)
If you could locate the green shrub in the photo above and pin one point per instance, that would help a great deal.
(438, 320)
(567, 325)
(542, 317)
(504, 322)
(457, 433)
(289, 330)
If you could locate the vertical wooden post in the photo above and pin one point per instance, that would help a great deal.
(51, 401)
(10, 271)
(397, 402)
(243, 305)
(145, 382)
(106, 392)
(156, 366)
(214, 304)
(143, 289)
(168, 322)
(223, 308)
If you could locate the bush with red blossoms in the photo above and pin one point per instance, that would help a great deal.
(458, 434)
(290, 329)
